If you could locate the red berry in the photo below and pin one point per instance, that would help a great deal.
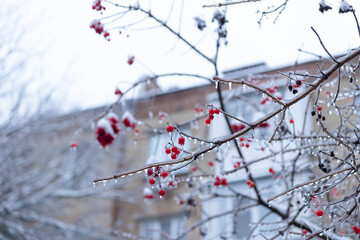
(152, 181)
(174, 149)
(262, 149)
(118, 92)
(167, 150)
(247, 145)
(291, 121)
(162, 192)
(193, 168)
(208, 121)
(73, 145)
(181, 141)
(164, 174)
(173, 156)
(224, 182)
(241, 139)
(319, 213)
(131, 60)
(150, 172)
(304, 231)
(169, 128)
(211, 163)
(271, 171)
(217, 111)
(211, 111)
(356, 229)
(211, 117)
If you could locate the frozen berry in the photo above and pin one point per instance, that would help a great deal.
(152, 181)
(319, 213)
(169, 128)
(181, 141)
(164, 174)
(162, 192)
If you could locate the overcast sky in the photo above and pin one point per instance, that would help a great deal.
(85, 68)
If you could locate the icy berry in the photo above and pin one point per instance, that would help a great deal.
(181, 141)
(211, 111)
(169, 128)
(118, 92)
(73, 145)
(224, 182)
(271, 171)
(167, 150)
(216, 111)
(304, 231)
(150, 172)
(208, 121)
(162, 192)
(298, 82)
(173, 156)
(356, 229)
(174, 149)
(211, 163)
(131, 60)
(291, 120)
(152, 181)
(295, 91)
(319, 213)
(164, 174)
(211, 117)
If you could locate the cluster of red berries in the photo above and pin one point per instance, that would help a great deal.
(220, 182)
(237, 164)
(106, 129)
(243, 144)
(272, 90)
(99, 29)
(130, 60)
(250, 183)
(97, 5)
(292, 88)
(237, 127)
(174, 151)
(319, 114)
(211, 115)
(356, 229)
(128, 120)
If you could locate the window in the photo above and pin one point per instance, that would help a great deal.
(163, 227)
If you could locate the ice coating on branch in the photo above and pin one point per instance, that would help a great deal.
(128, 120)
(152, 160)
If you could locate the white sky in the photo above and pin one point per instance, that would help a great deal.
(85, 68)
